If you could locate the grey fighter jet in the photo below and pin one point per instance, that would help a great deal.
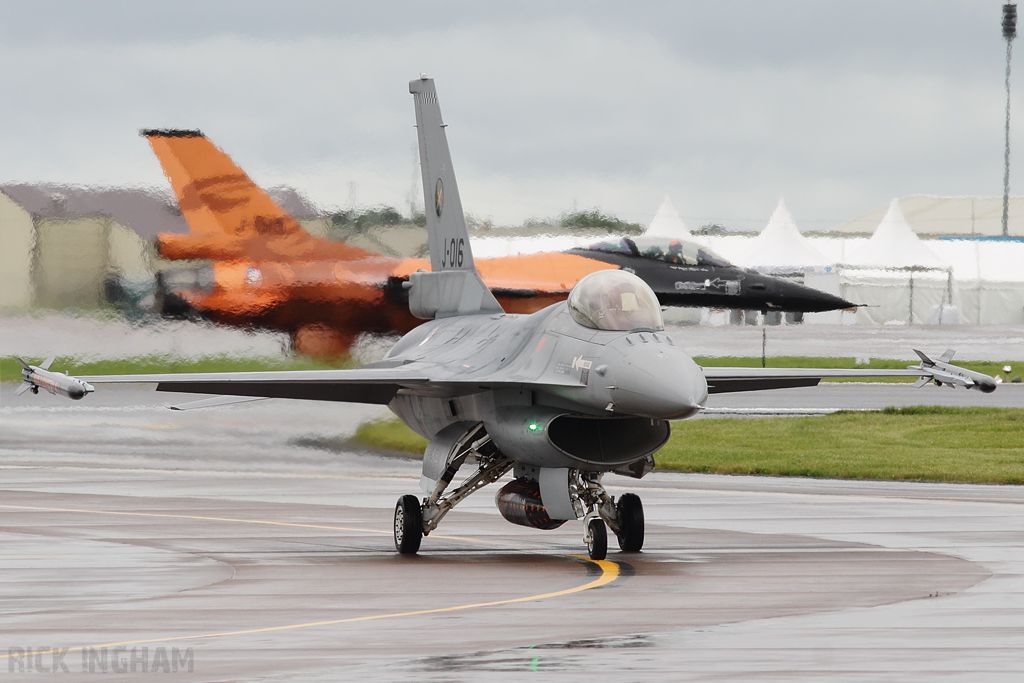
(558, 398)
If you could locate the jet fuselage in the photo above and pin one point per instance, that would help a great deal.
(581, 389)
(720, 286)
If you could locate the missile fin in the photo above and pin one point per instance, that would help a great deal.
(47, 363)
(22, 388)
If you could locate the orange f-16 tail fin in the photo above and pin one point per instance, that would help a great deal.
(230, 216)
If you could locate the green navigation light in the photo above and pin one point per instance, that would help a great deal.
(533, 426)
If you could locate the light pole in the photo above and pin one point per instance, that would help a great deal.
(1009, 33)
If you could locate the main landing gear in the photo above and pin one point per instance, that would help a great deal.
(630, 512)
(414, 520)
(408, 525)
(576, 493)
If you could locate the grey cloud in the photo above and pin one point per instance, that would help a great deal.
(727, 105)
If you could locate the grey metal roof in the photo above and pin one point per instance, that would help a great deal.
(146, 210)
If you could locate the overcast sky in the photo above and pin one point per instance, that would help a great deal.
(725, 106)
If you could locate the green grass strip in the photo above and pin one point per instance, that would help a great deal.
(970, 445)
(10, 369)
(389, 435)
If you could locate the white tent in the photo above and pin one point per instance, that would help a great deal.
(667, 222)
(781, 248)
(989, 278)
(894, 244)
(899, 276)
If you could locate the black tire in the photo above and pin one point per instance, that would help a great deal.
(408, 525)
(631, 522)
(598, 545)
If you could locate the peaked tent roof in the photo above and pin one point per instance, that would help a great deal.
(667, 222)
(933, 215)
(895, 245)
(780, 246)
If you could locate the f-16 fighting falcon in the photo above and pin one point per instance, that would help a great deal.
(558, 398)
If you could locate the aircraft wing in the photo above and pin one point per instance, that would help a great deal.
(724, 380)
(358, 385)
(727, 379)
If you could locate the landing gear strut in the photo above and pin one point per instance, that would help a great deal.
(413, 520)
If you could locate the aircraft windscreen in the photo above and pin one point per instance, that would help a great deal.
(679, 252)
(615, 300)
(613, 246)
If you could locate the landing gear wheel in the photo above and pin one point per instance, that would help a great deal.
(597, 539)
(631, 522)
(408, 525)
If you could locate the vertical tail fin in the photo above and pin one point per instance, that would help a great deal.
(229, 215)
(446, 222)
(216, 196)
(454, 287)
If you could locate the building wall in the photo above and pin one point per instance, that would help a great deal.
(17, 236)
(71, 261)
(129, 254)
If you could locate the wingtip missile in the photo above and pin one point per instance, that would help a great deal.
(942, 372)
(36, 377)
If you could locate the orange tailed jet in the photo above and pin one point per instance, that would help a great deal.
(268, 272)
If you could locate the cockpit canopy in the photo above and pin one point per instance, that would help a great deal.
(670, 250)
(615, 300)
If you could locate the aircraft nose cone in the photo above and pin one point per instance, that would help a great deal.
(77, 390)
(784, 295)
(658, 381)
(985, 384)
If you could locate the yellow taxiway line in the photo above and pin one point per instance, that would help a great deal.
(609, 573)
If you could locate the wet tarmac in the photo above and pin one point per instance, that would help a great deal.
(249, 542)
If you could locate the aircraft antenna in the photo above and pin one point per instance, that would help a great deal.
(1009, 33)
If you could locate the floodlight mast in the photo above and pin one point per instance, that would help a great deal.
(1009, 33)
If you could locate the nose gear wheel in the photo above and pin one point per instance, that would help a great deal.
(597, 539)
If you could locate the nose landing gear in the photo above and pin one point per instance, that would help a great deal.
(596, 538)
(624, 516)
